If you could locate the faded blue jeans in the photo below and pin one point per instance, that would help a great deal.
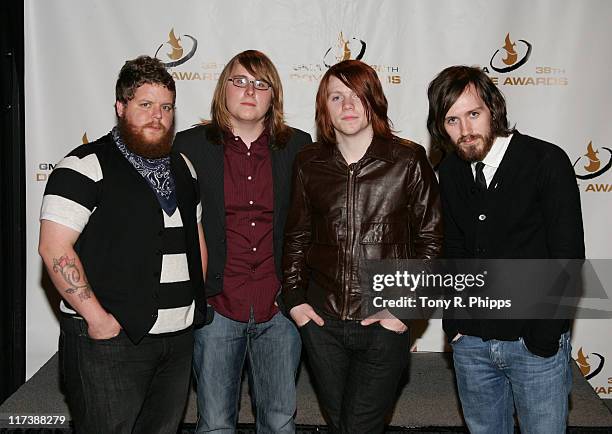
(494, 377)
(273, 349)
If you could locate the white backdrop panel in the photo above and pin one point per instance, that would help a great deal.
(74, 50)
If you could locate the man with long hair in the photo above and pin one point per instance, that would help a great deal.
(358, 193)
(244, 157)
(505, 195)
(121, 240)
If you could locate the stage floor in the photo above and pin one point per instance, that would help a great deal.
(428, 400)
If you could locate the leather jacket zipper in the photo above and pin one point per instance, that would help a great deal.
(350, 228)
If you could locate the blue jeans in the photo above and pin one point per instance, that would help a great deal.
(494, 377)
(273, 349)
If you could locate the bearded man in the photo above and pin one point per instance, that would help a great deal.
(505, 195)
(121, 239)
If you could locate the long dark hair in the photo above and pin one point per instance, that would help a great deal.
(447, 87)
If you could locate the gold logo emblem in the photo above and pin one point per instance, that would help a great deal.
(516, 55)
(511, 54)
(176, 52)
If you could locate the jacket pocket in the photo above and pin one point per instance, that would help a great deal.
(385, 233)
(385, 240)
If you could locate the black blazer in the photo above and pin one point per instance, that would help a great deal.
(206, 155)
(532, 209)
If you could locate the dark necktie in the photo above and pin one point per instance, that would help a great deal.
(481, 182)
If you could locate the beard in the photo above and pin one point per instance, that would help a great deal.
(137, 142)
(476, 151)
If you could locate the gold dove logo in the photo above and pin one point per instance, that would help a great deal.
(511, 54)
(344, 49)
(516, 55)
(175, 43)
(175, 49)
(594, 161)
(588, 166)
(585, 364)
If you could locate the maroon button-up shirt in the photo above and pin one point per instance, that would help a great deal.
(249, 281)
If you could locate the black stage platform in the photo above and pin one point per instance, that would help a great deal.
(428, 403)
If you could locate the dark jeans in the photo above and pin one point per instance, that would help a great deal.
(114, 386)
(357, 371)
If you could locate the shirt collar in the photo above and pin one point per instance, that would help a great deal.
(496, 154)
(262, 141)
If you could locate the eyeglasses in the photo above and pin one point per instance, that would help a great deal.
(241, 81)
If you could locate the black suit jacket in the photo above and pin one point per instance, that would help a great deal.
(532, 209)
(206, 155)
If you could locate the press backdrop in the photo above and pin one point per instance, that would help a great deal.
(551, 59)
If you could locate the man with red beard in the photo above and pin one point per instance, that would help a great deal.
(121, 239)
(505, 195)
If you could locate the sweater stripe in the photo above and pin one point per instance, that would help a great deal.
(71, 196)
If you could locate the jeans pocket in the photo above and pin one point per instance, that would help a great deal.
(527, 351)
(107, 340)
(524, 346)
(392, 331)
(458, 340)
(305, 324)
(566, 345)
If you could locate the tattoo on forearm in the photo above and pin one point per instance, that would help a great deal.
(72, 276)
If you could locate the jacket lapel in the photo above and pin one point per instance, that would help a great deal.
(280, 181)
(214, 169)
(509, 167)
(464, 177)
(179, 170)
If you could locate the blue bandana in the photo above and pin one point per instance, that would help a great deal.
(156, 171)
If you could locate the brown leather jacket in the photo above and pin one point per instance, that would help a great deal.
(385, 206)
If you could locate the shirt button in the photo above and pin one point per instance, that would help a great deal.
(254, 249)
(252, 223)
(250, 202)
(482, 217)
(248, 154)
(236, 138)
(249, 177)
